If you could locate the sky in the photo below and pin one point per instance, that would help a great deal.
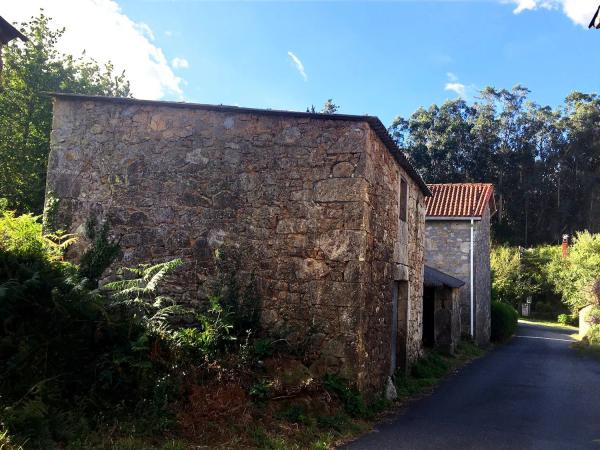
(382, 58)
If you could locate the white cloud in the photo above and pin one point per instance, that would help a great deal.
(180, 63)
(579, 11)
(460, 89)
(106, 34)
(298, 65)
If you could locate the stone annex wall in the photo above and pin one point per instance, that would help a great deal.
(447, 248)
(301, 195)
(447, 318)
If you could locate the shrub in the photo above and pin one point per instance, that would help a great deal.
(592, 337)
(567, 319)
(22, 236)
(504, 321)
(353, 402)
(593, 317)
(575, 277)
(101, 253)
(69, 359)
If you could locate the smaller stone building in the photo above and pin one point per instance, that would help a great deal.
(330, 213)
(441, 310)
(457, 230)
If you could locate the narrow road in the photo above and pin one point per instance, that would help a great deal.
(536, 392)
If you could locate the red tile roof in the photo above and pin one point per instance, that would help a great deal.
(460, 199)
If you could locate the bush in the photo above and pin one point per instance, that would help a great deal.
(353, 402)
(22, 236)
(567, 319)
(504, 321)
(593, 335)
(70, 359)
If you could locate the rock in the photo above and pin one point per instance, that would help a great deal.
(343, 169)
(288, 375)
(390, 390)
(341, 190)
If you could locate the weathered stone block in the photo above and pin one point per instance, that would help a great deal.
(341, 190)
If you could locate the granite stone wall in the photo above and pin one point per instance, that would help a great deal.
(395, 253)
(447, 248)
(483, 282)
(447, 318)
(302, 196)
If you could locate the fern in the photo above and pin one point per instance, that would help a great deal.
(141, 295)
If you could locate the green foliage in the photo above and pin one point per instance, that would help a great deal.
(102, 252)
(353, 402)
(567, 319)
(575, 277)
(22, 236)
(140, 295)
(73, 358)
(294, 413)
(504, 321)
(210, 337)
(260, 391)
(49, 218)
(593, 316)
(262, 440)
(542, 161)
(236, 289)
(430, 366)
(30, 69)
(592, 337)
(509, 283)
(263, 348)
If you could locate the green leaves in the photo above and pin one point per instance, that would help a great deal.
(30, 70)
(575, 277)
(543, 162)
(141, 295)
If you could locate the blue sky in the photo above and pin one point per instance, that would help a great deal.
(382, 58)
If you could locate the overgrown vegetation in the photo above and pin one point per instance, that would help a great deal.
(559, 286)
(31, 69)
(504, 321)
(123, 365)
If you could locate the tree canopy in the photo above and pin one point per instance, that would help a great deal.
(31, 70)
(543, 161)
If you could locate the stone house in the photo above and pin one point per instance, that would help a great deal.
(441, 310)
(457, 230)
(330, 213)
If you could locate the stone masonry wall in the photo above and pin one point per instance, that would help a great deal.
(447, 248)
(291, 191)
(483, 283)
(395, 252)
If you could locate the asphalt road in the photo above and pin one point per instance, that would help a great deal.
(535, 392)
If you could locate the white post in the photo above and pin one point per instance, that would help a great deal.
(472, 298)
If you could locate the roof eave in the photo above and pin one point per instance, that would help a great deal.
(459, 218)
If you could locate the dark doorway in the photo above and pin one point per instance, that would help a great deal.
(429, 317)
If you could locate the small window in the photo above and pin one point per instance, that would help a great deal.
(403, 200)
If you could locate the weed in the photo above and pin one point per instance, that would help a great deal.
(262, 440)
(353, 402)
(293, 413)
(431, 366)
(260, 391)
